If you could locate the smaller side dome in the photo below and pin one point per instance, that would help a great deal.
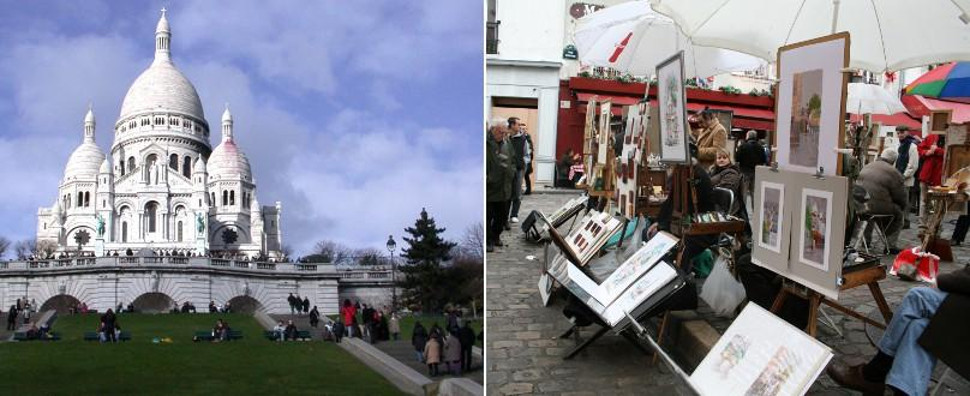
(198, 166)
(105, 166)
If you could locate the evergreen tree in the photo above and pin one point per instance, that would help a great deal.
(424, 282)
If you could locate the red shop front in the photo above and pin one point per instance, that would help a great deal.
(750, 112)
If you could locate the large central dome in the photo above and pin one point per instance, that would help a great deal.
(162, 87)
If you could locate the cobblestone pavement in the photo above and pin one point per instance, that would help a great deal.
(523, 358)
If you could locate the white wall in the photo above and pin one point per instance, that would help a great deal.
(529, 30)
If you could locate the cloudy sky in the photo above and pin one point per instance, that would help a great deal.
(354, 114)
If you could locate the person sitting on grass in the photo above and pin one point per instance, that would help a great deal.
(107, 330)
(221, 331)
(290, 330)
(278, 331)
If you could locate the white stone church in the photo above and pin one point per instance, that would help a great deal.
(163, 187)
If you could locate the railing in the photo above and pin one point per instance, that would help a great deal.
(491, 37)
(199, 262)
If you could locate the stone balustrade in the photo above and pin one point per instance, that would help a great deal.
(54, 265)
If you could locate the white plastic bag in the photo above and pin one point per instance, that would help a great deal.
(721, 291)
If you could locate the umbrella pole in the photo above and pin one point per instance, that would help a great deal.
(835, 14)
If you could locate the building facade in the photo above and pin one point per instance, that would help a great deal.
(162, 186)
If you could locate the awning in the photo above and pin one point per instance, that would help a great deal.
(892, 120)
(744, 117)
(920, 106)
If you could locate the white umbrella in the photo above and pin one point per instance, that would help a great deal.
(632, 38)
(885, 34)
(872, 99)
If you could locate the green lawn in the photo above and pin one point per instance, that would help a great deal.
(249, 366)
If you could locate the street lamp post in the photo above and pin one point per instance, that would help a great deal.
(391, 245)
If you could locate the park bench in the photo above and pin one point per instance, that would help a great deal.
(93, 336)
(303, 335)
(206, 335)
(22, 336)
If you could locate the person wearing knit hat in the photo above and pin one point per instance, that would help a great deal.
(887, 194)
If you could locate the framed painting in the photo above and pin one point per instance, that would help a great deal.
(771, 210)
(810, 105)
(815, 239)
(772, 220)
(604, 132)
(671, 97)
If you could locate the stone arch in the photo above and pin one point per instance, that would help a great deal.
(153, 302)
(62, 303)
(245, 304)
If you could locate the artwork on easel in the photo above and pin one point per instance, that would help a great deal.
(760, 355)
(672, 96)
(811, 103)
(605, 133)
(589, 136)
(809, 234)
(628, 162)
(815, 239)
(771, 215)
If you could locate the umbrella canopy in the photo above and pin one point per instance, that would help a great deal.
(885, 34)
(632, 38)
(950, 82)
(872, 99)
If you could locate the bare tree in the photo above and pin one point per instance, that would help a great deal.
(329, 251)
(25, 248)
(45, 248)
(4, 244)
(286, 251)
(368, 257)
(473, 241)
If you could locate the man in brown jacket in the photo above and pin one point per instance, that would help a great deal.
(710, 137)
(930, 323)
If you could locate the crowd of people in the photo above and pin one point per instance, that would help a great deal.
(508, 162)
(451, 346)
(21, 311)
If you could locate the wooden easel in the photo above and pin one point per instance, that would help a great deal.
(868, 275)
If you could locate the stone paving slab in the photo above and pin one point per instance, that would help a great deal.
(523, 357)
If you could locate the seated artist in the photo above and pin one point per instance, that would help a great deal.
(930, 323)
(887, 195)
(694, 244)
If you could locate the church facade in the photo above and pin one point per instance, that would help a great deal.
(161, 186)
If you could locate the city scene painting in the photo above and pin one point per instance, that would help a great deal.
(806, 112)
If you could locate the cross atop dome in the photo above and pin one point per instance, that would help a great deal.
(163, 38)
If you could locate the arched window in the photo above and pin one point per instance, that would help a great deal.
(212, 198)
(179, 228)
(150, 160)
(151, 211)
(87, 199)
(124, 231)
(225, 197)
(173, 161)
(232, 197)
(80, 199)
(121, 167)
(187, 166)
(131, 164)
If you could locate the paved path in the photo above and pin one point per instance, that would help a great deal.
(522, 357)
(404, 353)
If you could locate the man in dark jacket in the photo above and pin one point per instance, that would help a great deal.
(499, 172)
(887, 194)
(419, 337)
(930, 323)
(750, 155)
(467, 337)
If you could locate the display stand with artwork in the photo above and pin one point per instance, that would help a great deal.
(628, 164)
(810, 105)
(639, 284)
(950, 196)
(536, 224)
(796, 236)
(760, 354)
